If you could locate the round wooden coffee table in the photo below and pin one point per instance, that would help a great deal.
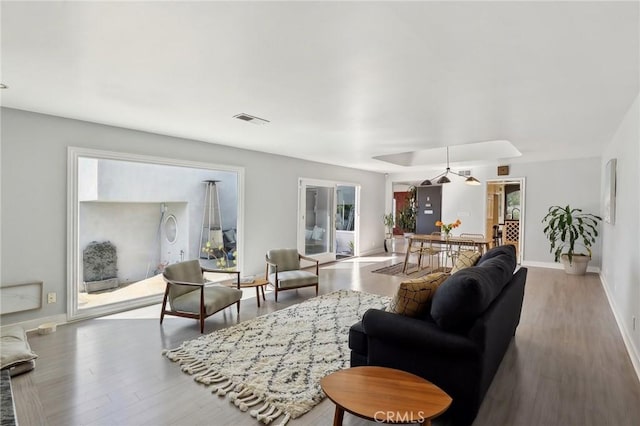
(384, 395)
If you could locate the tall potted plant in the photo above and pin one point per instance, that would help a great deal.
(407, 216)
(568, 230)
(388, 224)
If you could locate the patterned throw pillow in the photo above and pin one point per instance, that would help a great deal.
(414, 296)
(465, 259)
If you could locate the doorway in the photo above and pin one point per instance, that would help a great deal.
(505, 212)
(328, 219)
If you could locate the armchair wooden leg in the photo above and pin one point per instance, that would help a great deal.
(316, 289)
(201, 325)
(238, 308)
(275, 293)
(164, 304)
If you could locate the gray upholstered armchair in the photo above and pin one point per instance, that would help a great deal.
(189, 296)
(283, 271)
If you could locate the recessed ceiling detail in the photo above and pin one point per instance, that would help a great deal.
(251, 119)
(480, 151)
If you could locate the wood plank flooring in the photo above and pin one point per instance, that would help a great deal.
(566, 366)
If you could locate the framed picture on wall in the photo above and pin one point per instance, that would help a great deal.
(609, 192)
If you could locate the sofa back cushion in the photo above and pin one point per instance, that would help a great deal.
(468, 293)
(414, 296)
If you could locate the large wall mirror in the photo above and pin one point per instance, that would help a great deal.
(148, 211)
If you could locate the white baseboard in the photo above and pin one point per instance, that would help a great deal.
(372, 251)
(555, 265)
(631, 349)
(32, 325)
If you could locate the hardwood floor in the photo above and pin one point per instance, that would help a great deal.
(566, 366)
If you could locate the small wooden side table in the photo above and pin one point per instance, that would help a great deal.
(384, 395)
(259, 284)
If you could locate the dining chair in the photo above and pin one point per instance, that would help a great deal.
(469, 244)
(497, 236)
(434, 250)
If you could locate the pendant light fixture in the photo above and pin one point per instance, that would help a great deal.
(442, 177)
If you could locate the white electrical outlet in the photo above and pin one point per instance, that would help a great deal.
(51, 298)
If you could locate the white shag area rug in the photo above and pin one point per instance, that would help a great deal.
(271, 366)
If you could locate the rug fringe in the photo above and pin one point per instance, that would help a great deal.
(254, 413)
(219, 360)
(285, 420)
(209, 377)
(248, 402)
(268, 413)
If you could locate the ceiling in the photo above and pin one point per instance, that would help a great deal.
(340, 82)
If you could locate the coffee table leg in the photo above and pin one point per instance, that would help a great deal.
(258, 295)
(338, 416)
(262, 289)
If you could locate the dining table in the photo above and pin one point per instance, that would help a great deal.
(449, 240)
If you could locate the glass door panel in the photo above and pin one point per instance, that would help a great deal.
(317, 220)
(345, 220)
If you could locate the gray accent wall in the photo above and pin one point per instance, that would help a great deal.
(34, 195)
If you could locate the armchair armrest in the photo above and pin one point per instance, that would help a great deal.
(222, 271)
(168, 281)
(273, 265)
(310, 259)
(269, 263)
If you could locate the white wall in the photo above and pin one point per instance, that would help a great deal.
(621, 241)
(34, 195)
(130, 227)
(140, 182)
(574, 182)
(88, 179)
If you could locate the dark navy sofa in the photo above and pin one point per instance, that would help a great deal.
(459, 343)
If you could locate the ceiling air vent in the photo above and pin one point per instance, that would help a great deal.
(250, 119)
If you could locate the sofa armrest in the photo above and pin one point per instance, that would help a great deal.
(421, 335)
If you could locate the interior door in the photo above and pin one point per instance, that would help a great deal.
(428, 209)
(317, 220)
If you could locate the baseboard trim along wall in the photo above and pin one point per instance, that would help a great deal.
(633, 353)
(32, 325)
(377, 250)
(555, 265)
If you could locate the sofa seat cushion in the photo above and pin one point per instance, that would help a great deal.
(469, 292)
(465, 259)
(414, 296)
(293, 279)
(216, 297)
